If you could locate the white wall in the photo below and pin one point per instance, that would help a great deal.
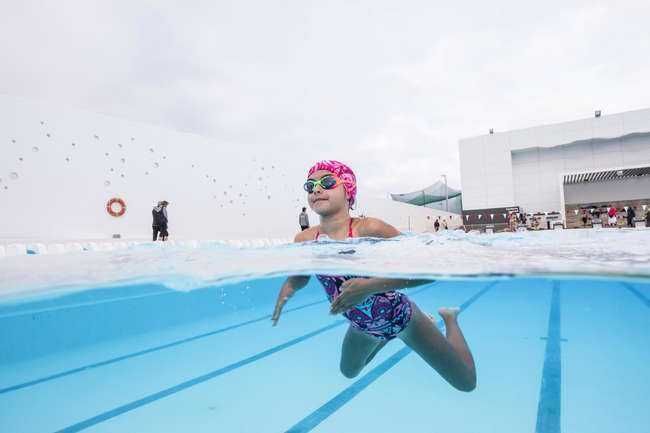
(522, 167)
(52, 189)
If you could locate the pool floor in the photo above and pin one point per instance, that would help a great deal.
(552, 356)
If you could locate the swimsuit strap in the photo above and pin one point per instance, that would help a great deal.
(349, 231)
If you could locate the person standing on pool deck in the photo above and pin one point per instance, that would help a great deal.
(612, 213)
(303, 219)
(631, 214)
(160, 219)
(376, 311)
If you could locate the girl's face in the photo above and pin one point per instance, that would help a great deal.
(326, 201)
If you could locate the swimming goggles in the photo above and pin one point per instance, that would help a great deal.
(326, 182)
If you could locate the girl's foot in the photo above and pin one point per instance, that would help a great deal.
(449, 313)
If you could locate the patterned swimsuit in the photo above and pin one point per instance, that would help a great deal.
(383, 315)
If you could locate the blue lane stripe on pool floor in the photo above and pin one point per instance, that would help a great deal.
(638, 294)
(550, 397)
(163, 346)
(197, 380)
(203, 378)
(325, 411)
(145, 351)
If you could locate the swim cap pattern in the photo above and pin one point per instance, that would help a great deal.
(341, 171)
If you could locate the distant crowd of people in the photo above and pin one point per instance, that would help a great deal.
(436, 226)
(612, 216)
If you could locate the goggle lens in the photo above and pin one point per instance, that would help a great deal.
(326, 182)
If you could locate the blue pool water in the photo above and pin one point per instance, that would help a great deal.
(552, 355)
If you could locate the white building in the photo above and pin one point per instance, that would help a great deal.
(547, 168)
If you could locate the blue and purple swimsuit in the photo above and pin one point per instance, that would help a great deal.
(382, 315)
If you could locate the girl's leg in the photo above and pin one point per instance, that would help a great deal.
(357, 351)
(450, 356)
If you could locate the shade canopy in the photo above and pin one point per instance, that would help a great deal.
(432, 194)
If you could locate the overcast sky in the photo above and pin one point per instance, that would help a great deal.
(387, 86)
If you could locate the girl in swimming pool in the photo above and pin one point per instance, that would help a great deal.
(376, 311)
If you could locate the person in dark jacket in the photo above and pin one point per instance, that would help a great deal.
(303, 219)
(630, 216)
(159, 225)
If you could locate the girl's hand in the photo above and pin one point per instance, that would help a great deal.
(285, 293)
(353, 292)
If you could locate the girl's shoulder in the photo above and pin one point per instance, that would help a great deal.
(374, 227)
(307, 234)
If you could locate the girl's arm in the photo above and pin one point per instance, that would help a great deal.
(290, 286)
(292, 283)
(357, 289)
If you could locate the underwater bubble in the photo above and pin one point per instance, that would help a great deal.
(107, 183)
(13, 175)
(156, 165)
(35, 149)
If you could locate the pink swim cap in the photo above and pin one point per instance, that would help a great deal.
(341, 171)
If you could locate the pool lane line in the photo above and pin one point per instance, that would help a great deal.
(161, 347)
(550, 394)
(146, 351)
(205, 377)
(192, 382)
(83, 304)
(637, 293)
(309, 422)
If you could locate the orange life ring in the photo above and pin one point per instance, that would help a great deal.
(121, 207)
